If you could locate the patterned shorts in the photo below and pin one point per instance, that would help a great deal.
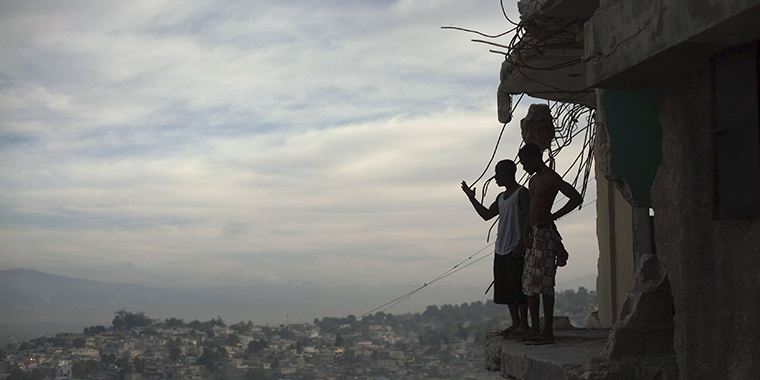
(540, 265)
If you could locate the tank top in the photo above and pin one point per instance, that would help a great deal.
(511, 223)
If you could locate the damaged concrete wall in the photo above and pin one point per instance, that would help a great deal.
(603, 152)
(639, 33)
(712, 265)
(634, 140)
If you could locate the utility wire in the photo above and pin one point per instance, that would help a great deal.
(388, 305)
(504, 12)
(496, 148)
(482, 34)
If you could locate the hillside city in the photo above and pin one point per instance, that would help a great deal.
(441, 343)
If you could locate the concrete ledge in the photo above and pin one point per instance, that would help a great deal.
(563, 360)
(577, 355)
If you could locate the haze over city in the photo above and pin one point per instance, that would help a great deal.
(301, 143)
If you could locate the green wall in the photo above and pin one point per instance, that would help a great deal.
(633, 123)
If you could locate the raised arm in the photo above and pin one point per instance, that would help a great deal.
(485, 213)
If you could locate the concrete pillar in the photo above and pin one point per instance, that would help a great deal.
(614, 230)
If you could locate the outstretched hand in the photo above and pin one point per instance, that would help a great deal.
(470, 192)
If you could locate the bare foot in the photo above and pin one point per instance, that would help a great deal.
(538, 341)
(530, 335)
(548, 336)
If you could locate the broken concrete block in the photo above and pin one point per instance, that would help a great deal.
(538, 126)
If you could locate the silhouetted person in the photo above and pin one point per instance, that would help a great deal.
(542, 239)
(512, 208)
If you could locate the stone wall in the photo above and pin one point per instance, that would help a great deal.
(712, 265)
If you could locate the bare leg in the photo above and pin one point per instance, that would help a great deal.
(533, 304)
(523, 310)
(516, 321)
(548, 332)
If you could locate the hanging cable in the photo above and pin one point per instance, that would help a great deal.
(386, 306)
(496, 148)
(476, 32)
(504, 12)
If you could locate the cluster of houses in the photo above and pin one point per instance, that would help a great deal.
(244, 352)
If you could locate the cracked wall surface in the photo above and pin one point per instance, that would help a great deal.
(661, 37)
(712, 265)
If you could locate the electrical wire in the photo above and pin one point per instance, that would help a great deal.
(476, 32)
(496, 148)
(388, 305)
(504, 12)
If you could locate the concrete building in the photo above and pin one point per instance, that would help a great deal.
(674, 84)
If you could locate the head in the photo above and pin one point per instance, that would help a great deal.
(530, 158)
(505, 172)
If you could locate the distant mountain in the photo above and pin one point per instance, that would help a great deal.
(33, 303)
(30, 299)
(28, 296)
(31, 296)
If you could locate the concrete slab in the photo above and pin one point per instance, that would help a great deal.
(563, 360)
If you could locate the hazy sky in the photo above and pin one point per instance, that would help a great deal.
(180, 143)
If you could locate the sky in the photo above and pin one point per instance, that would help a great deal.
(208, 143)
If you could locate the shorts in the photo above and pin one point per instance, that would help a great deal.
(540, 261)
(507, 275)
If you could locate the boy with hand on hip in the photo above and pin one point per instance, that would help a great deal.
(542, 240)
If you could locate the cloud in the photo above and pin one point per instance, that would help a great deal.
(241, 142)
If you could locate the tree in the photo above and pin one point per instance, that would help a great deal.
(139, 365)
(257, 373)
(125, 320)
(39, 341)
(16, 374)
(36, 374)
(175, 323)
(95, 330)
(108, 359)
(79, 342)
(195, 324)
(151, 331)
(431, 311)
(232, 340)
(208, 358)
(79, 369)
(339, 340)
(124, 364)
(257, 345)
(462, 332)
(57, 341)
(175, 351)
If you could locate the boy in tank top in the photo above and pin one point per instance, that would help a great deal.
(512, 208)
